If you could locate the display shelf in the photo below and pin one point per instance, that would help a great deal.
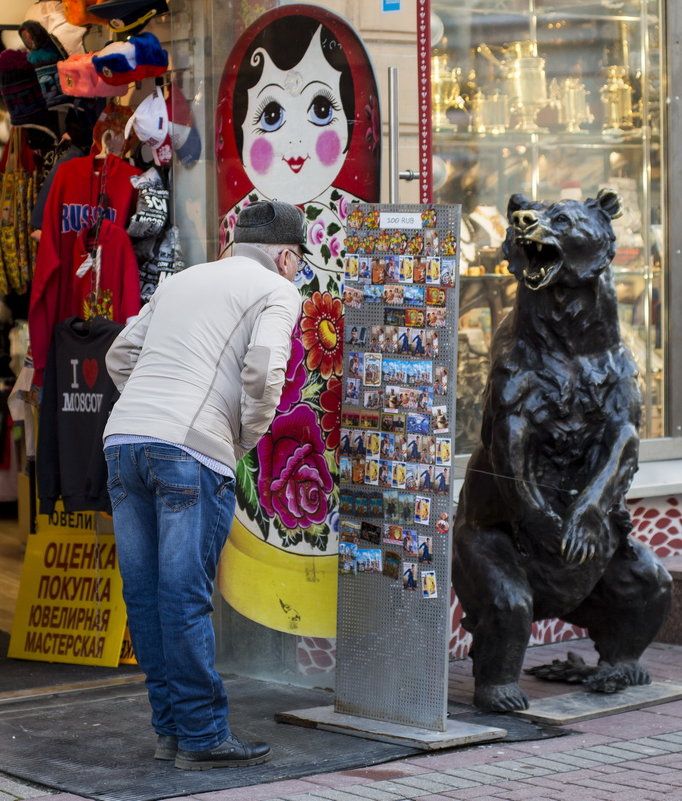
(552, 99)
(445, 136)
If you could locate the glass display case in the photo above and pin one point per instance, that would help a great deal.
(552, 99)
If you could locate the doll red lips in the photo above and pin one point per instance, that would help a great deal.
(296, 164)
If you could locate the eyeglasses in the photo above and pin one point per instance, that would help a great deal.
(301, 263)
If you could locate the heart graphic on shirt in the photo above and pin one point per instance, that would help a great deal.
(90, 371)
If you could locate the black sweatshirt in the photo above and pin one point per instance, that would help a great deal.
(77, 397)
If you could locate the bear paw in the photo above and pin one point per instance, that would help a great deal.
(500, 697)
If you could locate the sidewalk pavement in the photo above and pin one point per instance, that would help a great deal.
(631, 756)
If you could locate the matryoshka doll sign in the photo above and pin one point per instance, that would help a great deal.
(297, 120)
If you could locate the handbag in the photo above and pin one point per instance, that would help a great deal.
(16, 189)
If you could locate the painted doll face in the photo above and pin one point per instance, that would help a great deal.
(295, 131)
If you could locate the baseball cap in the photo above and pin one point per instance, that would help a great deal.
(150, 121)
(167, 125)
(271, 222)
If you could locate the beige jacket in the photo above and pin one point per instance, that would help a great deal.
(203, 363)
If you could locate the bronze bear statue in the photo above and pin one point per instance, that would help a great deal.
(542, 529)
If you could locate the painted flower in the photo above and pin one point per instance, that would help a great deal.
(316, 233)
(322, 333)
(294, 482)
(335, 246)
(295, 375)
(330, 401)
(304, 276)
(372, 131)
(343, 207)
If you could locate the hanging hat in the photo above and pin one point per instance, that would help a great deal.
(139, 57)
(184, 135)
(150, 122)
(128, 15)
(166, 126)
(20, 89)
(43, 53)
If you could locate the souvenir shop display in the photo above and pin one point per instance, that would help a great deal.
(400, 291)
(90, 247)
(90, 198)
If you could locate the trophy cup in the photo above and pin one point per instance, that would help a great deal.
(524, 74)
(489, 114)
(573, 108)
(447, 104)
(616, 97)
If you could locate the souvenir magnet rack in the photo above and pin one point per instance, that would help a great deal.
(400, 294)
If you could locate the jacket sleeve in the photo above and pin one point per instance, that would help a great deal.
(265, 363)
(125, 350)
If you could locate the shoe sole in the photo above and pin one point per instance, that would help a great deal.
(164, 754)
(188, 764)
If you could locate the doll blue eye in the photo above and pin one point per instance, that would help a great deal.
(272, 117)
(321, 110)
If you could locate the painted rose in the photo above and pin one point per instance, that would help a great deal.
(343, 207)
(335, 246)
(295, 375)
(294, 481)
(316, 233)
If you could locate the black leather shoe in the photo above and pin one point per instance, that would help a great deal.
(232, 753)
(166, 747)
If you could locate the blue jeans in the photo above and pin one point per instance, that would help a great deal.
(172, 516)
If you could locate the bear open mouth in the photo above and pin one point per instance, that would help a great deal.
(541, 262)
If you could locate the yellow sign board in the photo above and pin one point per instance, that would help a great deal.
(70, 606)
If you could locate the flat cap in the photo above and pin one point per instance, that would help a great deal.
(271, 222)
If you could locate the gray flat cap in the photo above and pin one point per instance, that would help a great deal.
(271, 222)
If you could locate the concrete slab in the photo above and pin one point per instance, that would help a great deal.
(561, 710)
(458, 733)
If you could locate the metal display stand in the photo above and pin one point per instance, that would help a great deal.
(396, 490)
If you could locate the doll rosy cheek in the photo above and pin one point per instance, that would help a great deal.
(261, 155)
(328, 148)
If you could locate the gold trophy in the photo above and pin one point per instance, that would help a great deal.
(526, 84)
(445, 92)
(616, 98)
(573, 108)
(489, 113)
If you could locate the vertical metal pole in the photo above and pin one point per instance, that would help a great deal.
(393, 176)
